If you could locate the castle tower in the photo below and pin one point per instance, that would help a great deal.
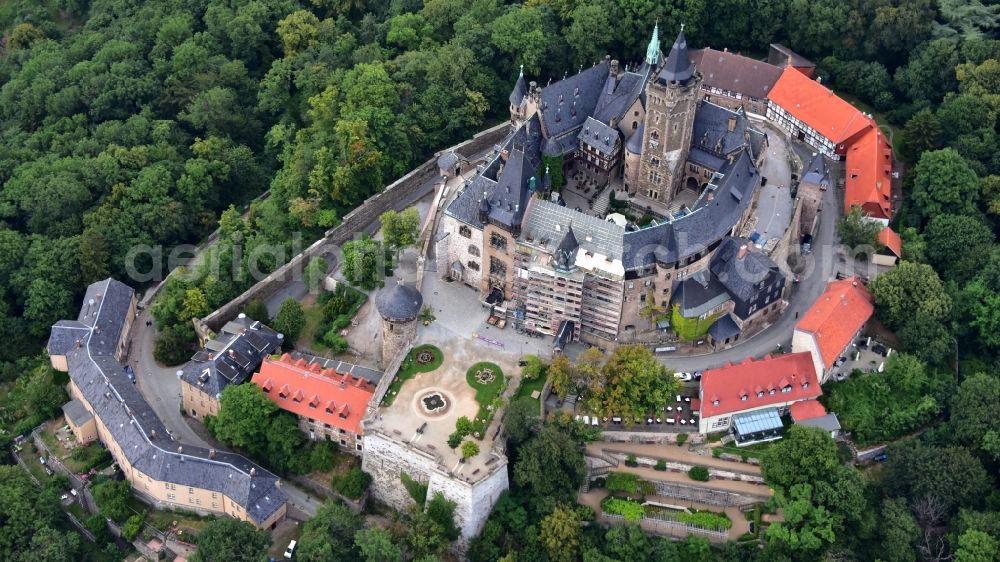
(398, 306)
(671, 100)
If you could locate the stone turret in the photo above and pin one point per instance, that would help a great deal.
(398, 306)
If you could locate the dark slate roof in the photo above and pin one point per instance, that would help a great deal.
(598, 135)
(758, 142)
(563, 335)
(817, 172)
(399, 302)
(503, 183)
(711, 129)
(634, 144)
(357, 371)
(231, 357)
(724, 327)
(618, 95)
(112, 299)
(678, 67)
(735, 73)
(578, 94)
(75, 412)
(566, 251)
(713, 217)
(64, 336)
(740, 276)
(705, 158)
(698, 294)
(447, 161)
(517, 94)
(139, 433)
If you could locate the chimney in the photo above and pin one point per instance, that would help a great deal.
(152, 434)
(614, 67)
(819, 79)
(742, 252)
(180, 449)
(731, 124)
(78, 343)
(277, 484)
(253, 471)
(211, 453)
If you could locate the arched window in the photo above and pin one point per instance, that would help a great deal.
(473, 250)
(465, 231)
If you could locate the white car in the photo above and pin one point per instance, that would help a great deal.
(290, 551)
(686, 377)
(594, 422)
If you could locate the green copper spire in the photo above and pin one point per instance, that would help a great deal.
(653, 50)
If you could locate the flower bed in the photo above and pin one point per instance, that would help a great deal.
(488, 381)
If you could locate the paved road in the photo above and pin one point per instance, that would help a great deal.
(818, 269)
(162, 389)
(775, 204)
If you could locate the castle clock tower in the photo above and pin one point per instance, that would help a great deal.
(672, 96)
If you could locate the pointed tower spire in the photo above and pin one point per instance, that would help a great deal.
(653, 50)
(519, 91)
(678, 67)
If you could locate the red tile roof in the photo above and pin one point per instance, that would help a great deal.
(836, 316)
(755, 380)
(869, 174)
(816, 106)
(807, 410)
(308, 390)
(892, 241)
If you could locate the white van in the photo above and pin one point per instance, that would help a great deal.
(290, 551)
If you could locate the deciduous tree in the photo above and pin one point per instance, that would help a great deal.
(226, 539)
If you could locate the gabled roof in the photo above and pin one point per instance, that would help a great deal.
(598, 135)
(735, 73)
(817, 172)
(741, 270)
(868, 174)
(139, 434)
(755, 380)
(724, 327)
(888, 238)
(817, 106)
(231, 357)
(836, 316)
(807, 409)
(307, 389)
(567, 103)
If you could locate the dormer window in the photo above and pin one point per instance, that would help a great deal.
(771, 392)
(786, 389)
(760, 394)
(743, 397)
(805, 385)
(715, 402)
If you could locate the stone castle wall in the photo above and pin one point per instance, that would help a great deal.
(385, 458)
(400, 194)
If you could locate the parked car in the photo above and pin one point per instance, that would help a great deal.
(697, 375)
(840, 361)
(290, 551)
(616, 419)
(594, 422)
(880, 349)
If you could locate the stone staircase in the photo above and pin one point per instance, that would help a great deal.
(602, 203)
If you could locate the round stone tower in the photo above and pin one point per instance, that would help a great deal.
(398, 306)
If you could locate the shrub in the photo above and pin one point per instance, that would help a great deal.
(716, 453)
(353, 484)
(706, 520)
(469, 449)
(333, 340)
(631, 510)
(682, 439)
(622, 482)
(631, 461)
(416, 489)
(132, 526)
(661, 465)
(699, 473)
(463, 426)
(454, 440)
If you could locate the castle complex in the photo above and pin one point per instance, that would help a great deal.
(646, 132)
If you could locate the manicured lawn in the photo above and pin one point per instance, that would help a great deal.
(87, 457)
(163, 520)
(485, 393)
(527, 387)
(411, 367)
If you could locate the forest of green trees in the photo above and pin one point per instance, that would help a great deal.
(131, 122)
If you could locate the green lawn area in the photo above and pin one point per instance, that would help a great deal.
(755, 451)
(314, 317)
(486, 393)
(87, 457)
(527, 387)
(411, 367)
(163, 519)
(690, 329)
(30, 455)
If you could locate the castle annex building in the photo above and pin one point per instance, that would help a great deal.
(107, 406)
